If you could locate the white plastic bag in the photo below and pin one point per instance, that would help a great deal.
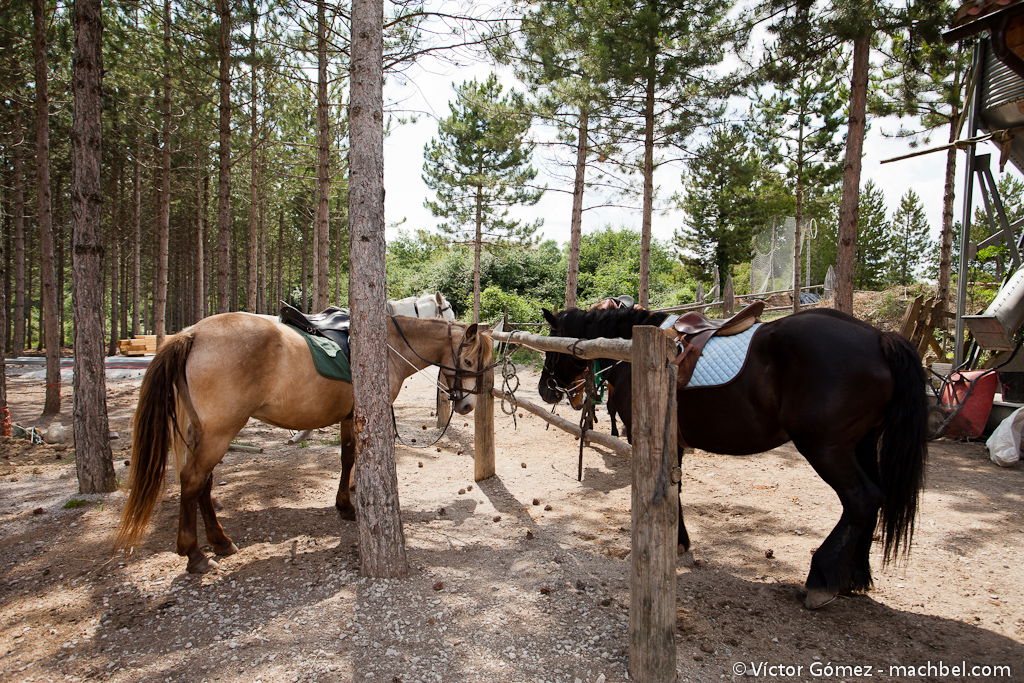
(1004, 444)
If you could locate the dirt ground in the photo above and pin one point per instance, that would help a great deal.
(523, 577)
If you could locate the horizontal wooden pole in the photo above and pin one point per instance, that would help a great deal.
(616, 349)
(618, 446)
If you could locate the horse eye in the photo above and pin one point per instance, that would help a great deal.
(467, 362)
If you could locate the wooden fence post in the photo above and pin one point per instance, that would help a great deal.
(483, 422)
(652, 609)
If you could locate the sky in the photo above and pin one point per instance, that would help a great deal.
(428, 89)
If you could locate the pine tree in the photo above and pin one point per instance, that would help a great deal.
(873, 239)
(721, 203)
(479, 167)
(909, 241)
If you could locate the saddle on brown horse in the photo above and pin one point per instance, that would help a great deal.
(332, 323)
(693, 330)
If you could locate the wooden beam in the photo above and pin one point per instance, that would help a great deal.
(652, 610)
(617, 446)
(616, 349)
(483, 419)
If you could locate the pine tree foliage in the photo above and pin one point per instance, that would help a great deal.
(909, 241)
(479, 164)
(874, 241)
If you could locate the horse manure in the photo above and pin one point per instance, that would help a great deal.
(770, 554)
(536, 501)
(523, 465)
(545, 590)
(438, 585)
(127, 463)
(462, 492)
(497, 518)
(529, 535)
(38, 511)
(469, 487)
(412, 440)
(547, 508)
(419, 464)
(423, 427)
(442, 512)
(465, 424)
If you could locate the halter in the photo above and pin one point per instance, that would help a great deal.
(455, 391)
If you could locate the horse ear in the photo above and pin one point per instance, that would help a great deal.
(550, 317)
(439, 300)
(470, 333)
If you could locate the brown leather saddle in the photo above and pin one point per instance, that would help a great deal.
(331, 323)
(693, 330)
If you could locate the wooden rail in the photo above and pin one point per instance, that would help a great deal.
(616, 349)
(613, 444)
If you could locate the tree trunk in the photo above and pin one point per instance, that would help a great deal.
(648, 202)
(572, 274)
(115, 238)
(136, 322)
(253, 265)
(224, 157)
(848, 209)
(946, 236)
(321, 237)
(199, 291)
(163, 223)
(47, 273)
(798, 228)
(58, 256)
(92, 441)
(18, 336)
(279, 271)
(381, 539)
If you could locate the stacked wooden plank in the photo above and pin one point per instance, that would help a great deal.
(140, 345)
(920, 322)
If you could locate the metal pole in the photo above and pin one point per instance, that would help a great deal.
(965, 223)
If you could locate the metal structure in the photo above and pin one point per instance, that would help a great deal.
(995, 113)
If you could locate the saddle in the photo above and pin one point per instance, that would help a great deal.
(693, 330)
(331, 323)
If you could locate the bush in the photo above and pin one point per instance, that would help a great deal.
(494, 303)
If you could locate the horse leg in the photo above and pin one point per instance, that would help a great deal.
(683, 542)
(836, 565)
(221, 542)
(196, 480)
(867, 459)
(343, 499)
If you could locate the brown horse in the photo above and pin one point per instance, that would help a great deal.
(207, 381)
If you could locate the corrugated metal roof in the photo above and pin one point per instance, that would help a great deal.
(976, 9)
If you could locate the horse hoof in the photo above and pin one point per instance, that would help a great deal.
(346, 512)
(202, 566)
(228, 548)
(684, 556)
(818, 598)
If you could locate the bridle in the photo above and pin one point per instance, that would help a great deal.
(454, 376)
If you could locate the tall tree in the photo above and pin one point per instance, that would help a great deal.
(479, 167)
(92, 438)
(659, 55)
(321, 233)
(224, 292)
(18, 340)
(44, 218)
(873, 243)
(801, 116)
(922, 81)
(908, 241)
(164, 211)
(381, 539)
(722, 203)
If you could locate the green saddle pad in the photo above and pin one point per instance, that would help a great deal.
(330, 361)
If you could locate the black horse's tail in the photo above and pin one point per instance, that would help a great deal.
(904, 445)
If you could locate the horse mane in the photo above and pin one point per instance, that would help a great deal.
(607, 322)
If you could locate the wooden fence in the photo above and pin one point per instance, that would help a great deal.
(655, 475)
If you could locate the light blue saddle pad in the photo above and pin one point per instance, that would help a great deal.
(722, 359)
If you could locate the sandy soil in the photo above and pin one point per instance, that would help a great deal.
(520, 578)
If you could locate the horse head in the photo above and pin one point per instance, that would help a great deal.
(563, 375)
(471, 357)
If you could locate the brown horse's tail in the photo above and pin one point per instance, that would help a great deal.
(153, 433)
(904, 446)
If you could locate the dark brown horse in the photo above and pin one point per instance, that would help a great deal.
(207, 381)
(850, 398)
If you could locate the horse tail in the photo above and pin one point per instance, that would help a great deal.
(904, 445)
(153, 434)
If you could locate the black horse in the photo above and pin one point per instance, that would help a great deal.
(849, 397)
